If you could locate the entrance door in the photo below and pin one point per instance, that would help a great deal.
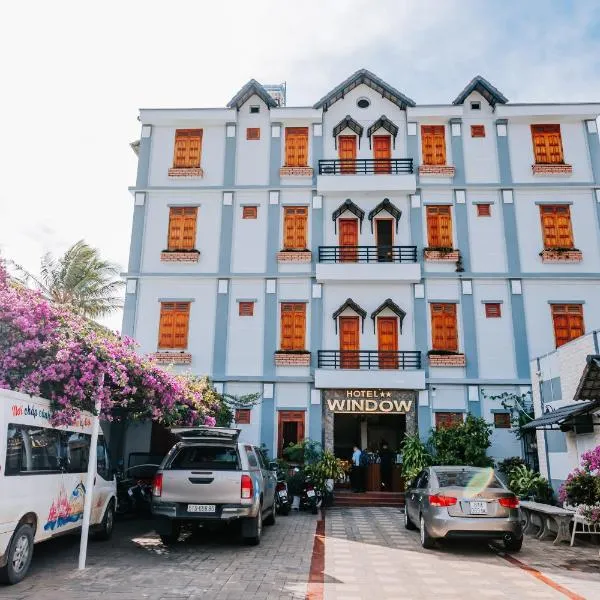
(347, 152)
(348, 240)
(387, 342)
(290, 429)
(382, 153)
(384, 231)
(349, 342)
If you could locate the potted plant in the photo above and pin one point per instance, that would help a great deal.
(529, 485)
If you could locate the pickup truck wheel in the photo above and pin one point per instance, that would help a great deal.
(252, 529)
(19, 555)
(172, 536)
(270, 520)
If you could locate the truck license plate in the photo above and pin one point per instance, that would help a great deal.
(201, 508)
(310, 493)
(479, 508)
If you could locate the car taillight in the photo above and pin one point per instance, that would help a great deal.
(157, 485)
(439, 500)
(247, 490)
(510, 502)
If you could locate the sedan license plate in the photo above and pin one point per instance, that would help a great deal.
(478, 508)
(283, 494)
(310, 493)
(201, 508)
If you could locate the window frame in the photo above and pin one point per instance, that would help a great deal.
(571, 312)
(187, 162)
(298, 315)
(441, 310)
(176, 308)
(503, 422)
(249, 212)
(495, 312)
(550, 215)
(477, 131)
(187, 214)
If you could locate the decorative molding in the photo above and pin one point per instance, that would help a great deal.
(516, 287)
(301, 257)
(172, 358)
(230, 131)
(146, 131)
(561, 256)
(436, 170)
(268, 390)
(317, 202)
(467, 287)
(461, 196)
(227, 198)
(411, 128)
(591, 125)
(447, 360)
(275, 131)
(317, 129)
(271, 286)
(552, 169)
(131, 286)
(188, 172)
(140, 198)
(296, 172)
(415, 200)
(507, 197)
(501, 129)
(274, 197)
(317, 290)
(455, 129)
(292, 359)
(419, 290)
(179, 257)
(223, 286)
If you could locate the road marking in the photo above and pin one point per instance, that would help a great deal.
(316, 577)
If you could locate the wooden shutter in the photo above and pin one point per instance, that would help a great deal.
(547, 144)
(477, 131)
(295, 227)
(447, 419)
(439, 226)
(296, 146)
(502, 420)
(253, 133)
(349, 342)
(242, 416)
(568, 322)
(492, 310)
(246, 309)
(556, 226)
(293, 325)
(347, 152)
(188, 147)
(387, 342)
(182, 228)
(443, 327)
(382, 153)
(249, 212)
(433, 144)
(484, 210)
(174, 324)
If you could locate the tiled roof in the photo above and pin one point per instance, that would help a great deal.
(485, 88)
(251, 88)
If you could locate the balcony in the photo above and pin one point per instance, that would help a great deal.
(368, 263)
(366, 174)
(369, 368)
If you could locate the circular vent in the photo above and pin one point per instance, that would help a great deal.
(363, 103)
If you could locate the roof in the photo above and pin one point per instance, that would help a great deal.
(386, 205)
(391, 305)
(384, 122)
(251, 88)
(350, 206)
(350, 123)
(364, 76)
(560, 415)
(485, 88)
(589, 384)
(353, 306)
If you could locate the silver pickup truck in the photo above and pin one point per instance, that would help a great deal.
(210, 477)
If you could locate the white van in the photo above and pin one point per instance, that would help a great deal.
(42, 480)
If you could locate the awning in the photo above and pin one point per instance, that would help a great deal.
(387, 206)
(589, 384)
(554, 418)
(348, 205)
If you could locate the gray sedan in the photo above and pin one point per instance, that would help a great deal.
(463, 502)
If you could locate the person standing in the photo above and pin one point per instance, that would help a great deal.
(385, 455)
(355, 473)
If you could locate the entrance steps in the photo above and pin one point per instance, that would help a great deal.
(348, 498)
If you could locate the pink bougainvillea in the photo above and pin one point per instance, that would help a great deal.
(50, 352)
(591, 460)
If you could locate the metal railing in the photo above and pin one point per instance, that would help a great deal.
(367, 254)
(369, 359)
(366, 166)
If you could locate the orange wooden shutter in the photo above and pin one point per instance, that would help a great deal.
(443, 327)
(182, 228)
(242, 416)
(387, 342)
(477, 131)
(296, 146)
(382, 152)
(293, 325)
(294, 227)
(253, 133)
(433, 144)
(188, 146)
(492, 310)
(447, 419)
(246, 309)
(556, 226)
(349, 342)
(484, 210)
(439, 226)
(347, 152)
(547, 144)
(568, 322)
(249, 212)
(174, 323)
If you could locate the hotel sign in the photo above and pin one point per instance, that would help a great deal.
(370, 402)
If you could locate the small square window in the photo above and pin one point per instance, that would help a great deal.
(492, 310)
(246, 309)
(254, 110)
(502, 420)
(477, 131)
(242, 416)
(475, 105)
(484, 210)
(253, 133)
(249, 212)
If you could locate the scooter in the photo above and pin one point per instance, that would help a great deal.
(282, 497)
(309, 499)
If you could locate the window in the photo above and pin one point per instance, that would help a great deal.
(502, 420)
(296, 146)
(439, 226)
(363, 103)
(293, 325)
(290, 429)
(182, 228)
(556, 226)
(188, 148)
(246, 309)
(463, 478)
(252, 460)
(249, 212)
(477, 131)
(253, 133)
(433, 143)
(492, 310)
(568, 322)
(254, 110)
(173, 327)
(242, 416)
(484, 210)
(547, 144)
(444, 332)
(448, 419)
(205, 458)
(294, 227)
(475, 105)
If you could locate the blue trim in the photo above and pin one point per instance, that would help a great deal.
(263, 379)
(220, 342)
(270, 332)
(421, 338)
(556, 441)
(503, 155)
(315, 422)
(474, 408)
(143, 162)
(275, 157)
(458, 158)
(318, 151)
(520, 334)
(563, 301)
(412, 150)
(551, 389)
(556, 483)
(594, 148)
(267, 424)
(500, 411)
(226, 242)
(230, 153)
(596, 347)
(129, 311)
(454, 410)
(273, 226)
(510, 236)
(462, 232)
(469, 336)
(137, 237)
(481, 381)
(424, 416)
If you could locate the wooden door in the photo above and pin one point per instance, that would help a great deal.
(349, 342)
(290, 429)
(348, 240)
(382, 153)
(347, 152)
(387, 342)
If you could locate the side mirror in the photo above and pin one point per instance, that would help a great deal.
(273, 465)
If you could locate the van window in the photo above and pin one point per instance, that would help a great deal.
(102, 460)
(76, 447)
(218, 458)
(32, 450)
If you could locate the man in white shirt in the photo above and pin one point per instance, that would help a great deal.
(355, 474)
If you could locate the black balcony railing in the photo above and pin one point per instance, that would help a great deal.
(367, 254)
(366, 166)
(369, 359)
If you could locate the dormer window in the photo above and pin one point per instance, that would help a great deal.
(254, 110)
(475, 105)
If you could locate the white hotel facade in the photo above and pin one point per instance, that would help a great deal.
(411, 257)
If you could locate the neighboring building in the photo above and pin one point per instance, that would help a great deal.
(565, 427)
(316, 255)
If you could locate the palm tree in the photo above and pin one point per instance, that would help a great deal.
(79, 279)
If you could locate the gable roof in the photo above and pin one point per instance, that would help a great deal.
(350, 123)
(589, 383)
(370, 79)
(391, 305)
(385, 123)
(343, 207)
(251, 88)
(361, 312)
(485, 88)
(386, 205)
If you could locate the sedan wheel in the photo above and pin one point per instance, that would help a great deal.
(426, 540)
(407, 522)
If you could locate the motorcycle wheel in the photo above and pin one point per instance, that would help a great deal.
(285, 510)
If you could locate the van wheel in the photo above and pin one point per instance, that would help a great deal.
(171, 536)
(19, 555)
(270, 520)
(106, 527)
(252, 529)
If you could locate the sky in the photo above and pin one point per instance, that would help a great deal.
(74, 74)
